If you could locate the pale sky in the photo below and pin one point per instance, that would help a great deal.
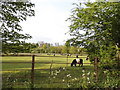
(49, 23)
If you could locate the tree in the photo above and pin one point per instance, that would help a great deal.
(67, 46)
(97, 28)
(73, 50)
(11, 14)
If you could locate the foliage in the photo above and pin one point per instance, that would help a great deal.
(61, 77)
(73, 50)
(87, 80)
(97, 28)
(20, 48)
(62, 49)
(11, 14)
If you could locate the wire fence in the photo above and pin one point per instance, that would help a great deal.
(32, 70)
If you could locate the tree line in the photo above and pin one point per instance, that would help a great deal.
(62, 49)
(44, 48)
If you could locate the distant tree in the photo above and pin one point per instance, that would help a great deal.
(11, 14)
(82, 51)
(73, 50)
(67, 46)
(52, 49)
(57, 49)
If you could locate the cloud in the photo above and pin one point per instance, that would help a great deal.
(49, 23)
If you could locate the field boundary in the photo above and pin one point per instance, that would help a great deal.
(32, 76)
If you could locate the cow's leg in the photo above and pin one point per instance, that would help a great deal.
(75, 64)
(79, 64)
(71, 64)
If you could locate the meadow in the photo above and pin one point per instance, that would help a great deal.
(50, 72)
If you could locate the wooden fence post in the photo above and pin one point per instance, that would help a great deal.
(67, 61)
(51, 67)
(32, 70)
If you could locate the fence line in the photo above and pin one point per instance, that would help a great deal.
(33, 62)
(33, 67)
(41, 62)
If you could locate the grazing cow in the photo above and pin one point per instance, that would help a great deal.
(77, 61)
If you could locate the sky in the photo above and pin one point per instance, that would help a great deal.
(49, 23)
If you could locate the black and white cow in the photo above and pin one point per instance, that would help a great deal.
(77, 61)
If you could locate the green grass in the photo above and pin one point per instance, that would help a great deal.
(13, 71)
(38, 65)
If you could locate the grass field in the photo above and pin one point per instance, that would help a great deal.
(26, 62)
(16, 73)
